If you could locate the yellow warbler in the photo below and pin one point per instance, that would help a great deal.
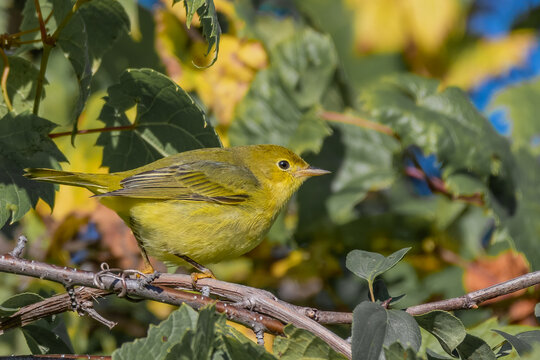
(201, 206)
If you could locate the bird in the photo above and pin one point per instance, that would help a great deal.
(200, 206)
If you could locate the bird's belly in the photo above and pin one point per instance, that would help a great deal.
(207, 233)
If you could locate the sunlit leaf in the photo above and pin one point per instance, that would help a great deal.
(488, 58)
(281, 105)
(209, 21)
(301, 344)
(161, 338)
(448, 329)
(187, 334)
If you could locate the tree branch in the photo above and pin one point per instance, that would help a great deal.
(472, 299)
(255, 308)
(269, 316)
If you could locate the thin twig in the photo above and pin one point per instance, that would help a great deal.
(358, 121)
(93, 131)
(48, 43)
(42, 28)
(47, 47)
(473, 299)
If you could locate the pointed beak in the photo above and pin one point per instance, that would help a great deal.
(310, 171)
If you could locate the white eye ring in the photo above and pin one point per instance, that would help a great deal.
(283, 164)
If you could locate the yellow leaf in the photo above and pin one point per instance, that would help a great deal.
(160, 310)
(488, 58)
(430, 22)
(84, 157)
(221, 86)
(393, 25)
(280, 268)
(379, 25)
(248, 332)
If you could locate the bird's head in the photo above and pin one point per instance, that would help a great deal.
(277, 168)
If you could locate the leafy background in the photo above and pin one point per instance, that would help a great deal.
(453, 83)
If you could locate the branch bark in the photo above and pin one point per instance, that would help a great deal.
(255, 308)
(270, 314)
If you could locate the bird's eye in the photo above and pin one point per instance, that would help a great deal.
(283, 164)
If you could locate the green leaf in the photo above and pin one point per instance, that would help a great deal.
(301, 344)
(374, 327)
(281, 106)
(21, 85)
(521, 346)
(520, 102)
(160, 339)
(168, 121)
(537, 312)
(367, 165)
(402, 328)
(448, 329)
(305, 65)
(524, 228)
(369, 265)
(90, 32)
(397, 352)
(431, 355)
(523, 342)
(45, 337)
(24, 142)
(209, 22)
(444, 123)
(186, 334)
(15, 303)
(474, 348)
(370, 321)
(238, 350)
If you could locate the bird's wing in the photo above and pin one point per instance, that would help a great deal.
(209, 181)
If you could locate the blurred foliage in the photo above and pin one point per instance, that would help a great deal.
(425, 112)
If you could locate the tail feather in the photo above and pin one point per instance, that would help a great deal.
(97, 183)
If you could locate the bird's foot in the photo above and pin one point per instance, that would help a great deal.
(205, 274)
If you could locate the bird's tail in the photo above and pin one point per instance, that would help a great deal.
(97, 183)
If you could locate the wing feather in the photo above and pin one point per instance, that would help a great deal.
(209, 181)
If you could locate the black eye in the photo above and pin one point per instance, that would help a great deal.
(284, 164)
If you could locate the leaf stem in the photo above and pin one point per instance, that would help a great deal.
(49, 42)
(41, 77)
(3, 83)
(92, 131)
(358, 121)
(42, 28)
(371, 292)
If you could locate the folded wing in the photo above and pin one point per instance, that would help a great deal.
(209, 181)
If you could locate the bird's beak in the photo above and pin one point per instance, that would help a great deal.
(310, 171)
